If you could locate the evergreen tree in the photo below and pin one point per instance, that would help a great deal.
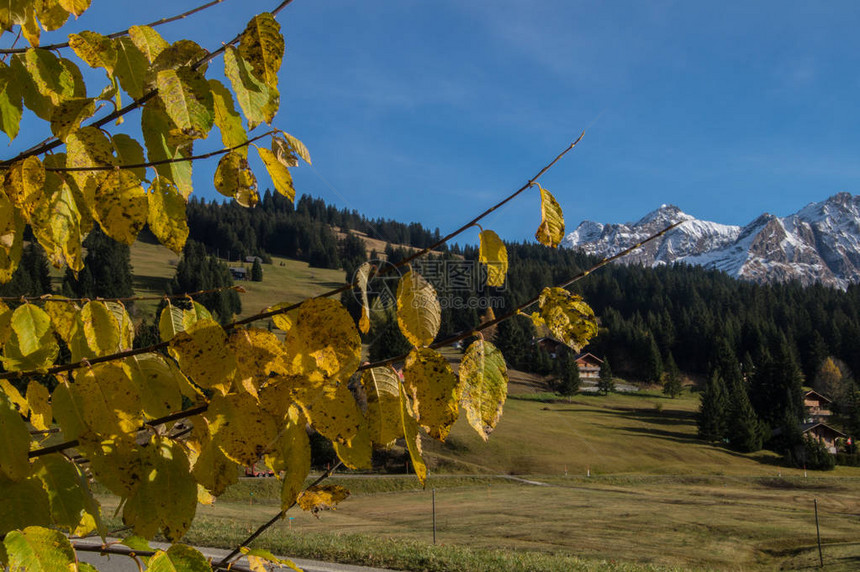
(107, 270)
(389, 340)
(605, 383)
(654, 363)
(671, 378)
(32, 277)
(567, 373)
(713, 410)
(198, 271)
(257, 270)
(743, 429)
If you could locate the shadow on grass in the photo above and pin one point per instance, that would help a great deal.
(154, 283)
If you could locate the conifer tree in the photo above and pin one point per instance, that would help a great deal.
(567, 372)
(743, 429)
(107, 270)
(671, 378)
(605, 383)
(257, 270)
(654, 363)
(713, 410)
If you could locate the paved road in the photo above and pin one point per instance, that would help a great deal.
(118, 563)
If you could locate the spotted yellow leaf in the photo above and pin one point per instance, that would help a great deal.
(40, 407)
(434, 389)
(494, 254)
(484, 377)
(290, 456)
(566, 316)
(382, 388)
(240, 427)
(322, 497)
(166, 215)
(203, 354)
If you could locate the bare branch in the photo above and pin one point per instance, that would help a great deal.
(50, 298)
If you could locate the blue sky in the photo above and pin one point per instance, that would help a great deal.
(432, 111)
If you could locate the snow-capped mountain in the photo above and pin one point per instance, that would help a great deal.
(819, 243)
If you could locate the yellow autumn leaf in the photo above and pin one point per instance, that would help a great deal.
(279, 173)
(109, 400)
(494, 254)
(362, 275)
(32, 344)
(412, 435)
(334, 414)
(203, 354)
(121, 206)
(14, 442)
(290, 456)
(166, 215)
(262, 46)
(322, 497)
(419, 313)
(566, 316)
(434, 389)
(484, 377)
(551, 229)
(38, 403)
(209, 466)
(240, 427)
(382, 388)
(11, 238)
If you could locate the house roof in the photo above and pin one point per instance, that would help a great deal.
(807, 427)
(813, 393)
(586, 354)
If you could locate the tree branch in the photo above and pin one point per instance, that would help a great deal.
(163, 161)
(50, 298)
(225, 562)
(123, 32)
(123, 550)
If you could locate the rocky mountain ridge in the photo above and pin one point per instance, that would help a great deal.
(820, 243)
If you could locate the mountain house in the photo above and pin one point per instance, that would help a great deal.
(817, 408)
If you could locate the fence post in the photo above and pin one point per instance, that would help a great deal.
(434, 517)
(818, 534)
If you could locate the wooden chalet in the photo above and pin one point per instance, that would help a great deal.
(826, 434)
(817, 407)
(589, 366)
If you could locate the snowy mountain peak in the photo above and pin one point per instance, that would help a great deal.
(818, 244)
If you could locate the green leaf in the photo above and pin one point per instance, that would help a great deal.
(68, 412)
(566, 316)
(179, 558)
(419, 313)
(32, 344)
(382, 388)
(551, 229)
(67, 490)
(56, 222)
(51, 15)
(434, 389)
(148, 41)
(279, 173)
(14, 442)
(166, 217)
(234, 178)
(121, 206)
(187, 101)
(11, 104)
(258, 101)
(163, 144)
(25, 503)
(131, 67)
(229, 122)
(484, 377)
(97, 50)
(47, 80)
(37, 549)
(494, 254)
(262, 46)
(179, 54)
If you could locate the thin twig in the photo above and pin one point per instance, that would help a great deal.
(123, 550)
(163, 161)
(225, 562)
(123, 32)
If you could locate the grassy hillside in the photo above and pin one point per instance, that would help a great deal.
(283, 281)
